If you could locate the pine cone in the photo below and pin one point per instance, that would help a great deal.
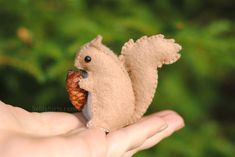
(77, 96)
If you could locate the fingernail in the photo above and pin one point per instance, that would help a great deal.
(181, 126)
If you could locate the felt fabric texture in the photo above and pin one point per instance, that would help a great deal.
(141, 59)
(112, 96)
(121, 89)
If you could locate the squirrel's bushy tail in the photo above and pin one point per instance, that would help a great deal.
(141, 59)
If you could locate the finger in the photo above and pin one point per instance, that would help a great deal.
(84, 143)
(134, 135)
(43, 124)
(55, 123)
(172, 117)
(174, 121)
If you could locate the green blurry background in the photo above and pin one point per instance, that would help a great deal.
(39, 39)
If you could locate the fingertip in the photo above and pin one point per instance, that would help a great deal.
(174, 120)
(153, 120)
(172, 117)
(165, 112)
(179, 121)
(1, 102)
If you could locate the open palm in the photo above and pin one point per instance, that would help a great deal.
(54, 134)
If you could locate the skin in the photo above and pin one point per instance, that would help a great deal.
(51, 134)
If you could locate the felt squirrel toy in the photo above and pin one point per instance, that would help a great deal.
(121, 88)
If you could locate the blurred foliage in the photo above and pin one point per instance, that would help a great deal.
(39, 39)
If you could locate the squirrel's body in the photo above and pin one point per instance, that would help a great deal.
(109, 86)
(122, 88)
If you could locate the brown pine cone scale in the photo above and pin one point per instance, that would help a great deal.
(77, 96)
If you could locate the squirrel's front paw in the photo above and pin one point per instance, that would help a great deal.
(85, 84)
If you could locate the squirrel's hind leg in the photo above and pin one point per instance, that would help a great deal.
(95, 123)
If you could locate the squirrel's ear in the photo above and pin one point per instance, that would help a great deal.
(97, 41)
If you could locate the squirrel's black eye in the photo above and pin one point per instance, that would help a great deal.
(87, 59)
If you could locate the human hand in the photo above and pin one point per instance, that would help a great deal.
(53, 134)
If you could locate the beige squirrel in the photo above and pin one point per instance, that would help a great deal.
(121, 88)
